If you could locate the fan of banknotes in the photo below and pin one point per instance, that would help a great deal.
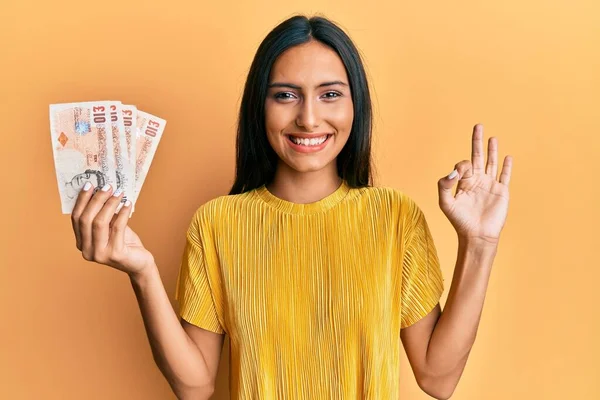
(102, 142)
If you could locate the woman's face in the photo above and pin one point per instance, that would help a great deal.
(309, 99)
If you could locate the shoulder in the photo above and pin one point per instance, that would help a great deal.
(399, 204)
(385, 195)
(220, 208)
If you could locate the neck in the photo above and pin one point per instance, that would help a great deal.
(304, 187)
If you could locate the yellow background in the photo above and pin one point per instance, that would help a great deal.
(529, 71)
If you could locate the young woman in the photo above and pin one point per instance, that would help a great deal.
(314, 274)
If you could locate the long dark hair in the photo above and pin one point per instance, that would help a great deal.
(256, 160)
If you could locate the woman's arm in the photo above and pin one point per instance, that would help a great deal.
(438, 346)
(188, 358)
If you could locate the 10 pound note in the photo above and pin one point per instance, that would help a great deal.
(149, 130)
(124, 170)
(83, 148)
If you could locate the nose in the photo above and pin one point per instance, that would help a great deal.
(307, 116)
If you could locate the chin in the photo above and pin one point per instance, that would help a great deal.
(308, 166)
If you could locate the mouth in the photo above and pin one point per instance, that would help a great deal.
(308, 142)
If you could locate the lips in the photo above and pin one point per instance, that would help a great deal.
(296, 139)
(307, 148)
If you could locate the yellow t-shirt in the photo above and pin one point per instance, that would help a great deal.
(312, 296)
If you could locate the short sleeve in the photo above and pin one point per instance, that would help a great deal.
(422, 279)
(193, 290)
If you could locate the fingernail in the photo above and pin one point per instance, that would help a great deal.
(127, 203)
(105, 188)
(453, 174)
(87, 186)
(118, 192)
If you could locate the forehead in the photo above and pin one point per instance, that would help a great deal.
(308, 63)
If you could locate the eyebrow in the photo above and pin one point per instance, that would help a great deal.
(292, 86)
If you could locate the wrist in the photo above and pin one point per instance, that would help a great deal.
(478, 242)
(145, 274)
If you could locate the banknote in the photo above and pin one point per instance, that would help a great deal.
(124, 172)
(102, 142)
(129, 113)
(149, 130)
(82, 147)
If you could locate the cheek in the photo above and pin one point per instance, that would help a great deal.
(342, 118)
(276, 118)
(273, 129)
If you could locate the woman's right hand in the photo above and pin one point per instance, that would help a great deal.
(103, 236)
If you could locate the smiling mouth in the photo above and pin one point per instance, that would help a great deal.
(312, 142)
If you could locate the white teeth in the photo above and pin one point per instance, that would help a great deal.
(308, 142)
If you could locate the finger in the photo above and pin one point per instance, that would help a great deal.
(477, 149)
(119, 226)
(114, 217)
(100, 225)
(445, 185)
(87, 218)
(461, 170)
(506, 170)
(465, 169)
(492, 162)
(82, 200)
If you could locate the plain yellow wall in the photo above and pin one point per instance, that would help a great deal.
(528, 70)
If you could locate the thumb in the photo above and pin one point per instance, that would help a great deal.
(445, 186)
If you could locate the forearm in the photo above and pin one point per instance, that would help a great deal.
(176, 355)
(456, 329)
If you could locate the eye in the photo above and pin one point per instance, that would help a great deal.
(282, 95)
(332, 97)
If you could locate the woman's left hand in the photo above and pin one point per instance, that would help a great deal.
(479, 208)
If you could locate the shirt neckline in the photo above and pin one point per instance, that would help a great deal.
(289, 207)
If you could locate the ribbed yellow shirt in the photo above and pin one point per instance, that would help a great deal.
(312, 296)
